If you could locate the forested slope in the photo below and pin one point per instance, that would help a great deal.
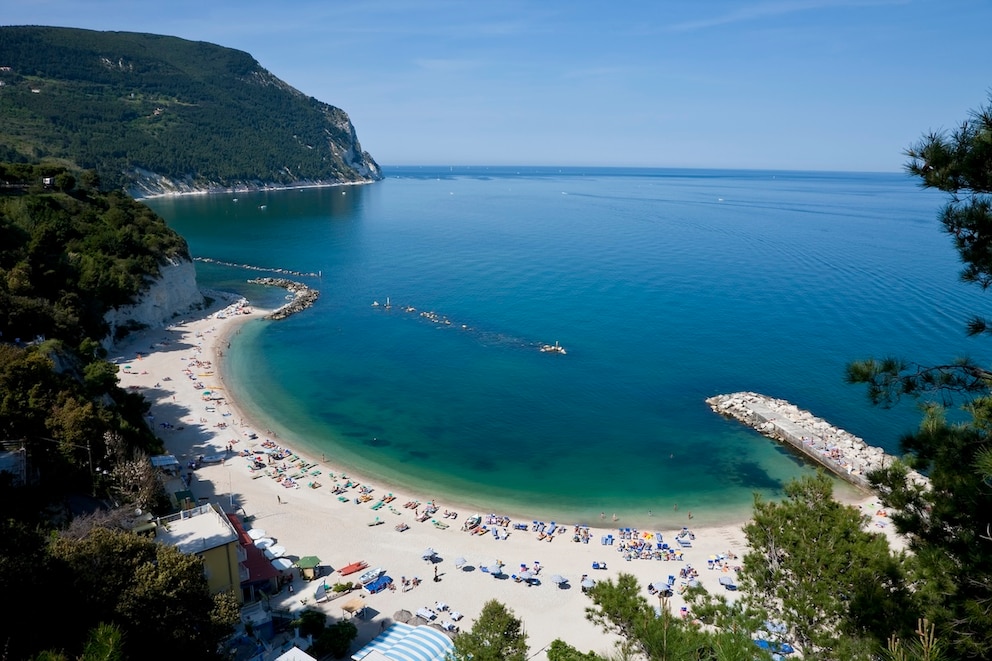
(154, 113)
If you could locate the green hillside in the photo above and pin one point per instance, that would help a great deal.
(139, 107)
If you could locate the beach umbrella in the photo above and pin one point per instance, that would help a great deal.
(526, 575)
(282, 564)
(558, 579)
(495, 570)
(276, 551)
(660, 586)
(264, 542)
(403, 616)
(428, 553)
(460, 562)
(588, 583)
(256, 533)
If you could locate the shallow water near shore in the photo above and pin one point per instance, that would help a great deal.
(664, 287)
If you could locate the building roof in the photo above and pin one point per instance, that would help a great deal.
(295, 654)
(196, 530)
(259, 567)
(405, 642)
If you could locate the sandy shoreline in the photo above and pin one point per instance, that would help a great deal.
(168, 365)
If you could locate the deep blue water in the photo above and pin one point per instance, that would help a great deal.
(664, 286)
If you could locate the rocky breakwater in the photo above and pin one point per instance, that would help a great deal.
(839, 451)
(303, 296)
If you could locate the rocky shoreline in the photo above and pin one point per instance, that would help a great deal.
(839, 451)
(303, 296)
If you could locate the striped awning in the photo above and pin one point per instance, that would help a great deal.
(404, 642)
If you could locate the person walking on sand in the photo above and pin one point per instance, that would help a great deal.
(279, 498)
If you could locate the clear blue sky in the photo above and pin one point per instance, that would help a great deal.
(783, 84)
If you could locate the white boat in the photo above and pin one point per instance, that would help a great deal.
(553, 348)
(370, 575)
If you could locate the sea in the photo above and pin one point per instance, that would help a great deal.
(421, 365)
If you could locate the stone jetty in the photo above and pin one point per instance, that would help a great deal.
(303, 296)
(837, 450)
(250, 267)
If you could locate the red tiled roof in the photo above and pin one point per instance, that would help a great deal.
(259, 567)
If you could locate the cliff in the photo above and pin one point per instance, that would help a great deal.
(172, 294)
(155, 115)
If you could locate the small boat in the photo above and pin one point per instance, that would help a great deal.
(353, 567)
(370, 575)
(553, 348)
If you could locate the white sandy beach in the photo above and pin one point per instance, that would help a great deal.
(314, 521)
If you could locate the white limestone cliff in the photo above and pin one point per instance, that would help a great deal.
(173, 293)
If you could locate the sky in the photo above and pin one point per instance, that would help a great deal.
(841, 85)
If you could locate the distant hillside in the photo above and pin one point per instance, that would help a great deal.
(155, 114)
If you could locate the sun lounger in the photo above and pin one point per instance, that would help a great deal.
(401, 527)
(376, 522)
(378, 505)
(440, 525)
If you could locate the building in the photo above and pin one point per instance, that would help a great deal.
(207, 532)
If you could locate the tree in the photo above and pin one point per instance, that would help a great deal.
(812, 566)
(336, 639)
(559, 650)
(947, 521)
(620, 608)
(155, 594)
(497, 635)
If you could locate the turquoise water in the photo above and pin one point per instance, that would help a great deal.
(664, 286)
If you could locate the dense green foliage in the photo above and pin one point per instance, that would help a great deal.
(154, 593)
(191, 111)
(659, 635)
(813, 567)
(67, 256)
(497, 635)
(948, 524)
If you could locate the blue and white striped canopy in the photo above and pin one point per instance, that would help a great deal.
(404, 642)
